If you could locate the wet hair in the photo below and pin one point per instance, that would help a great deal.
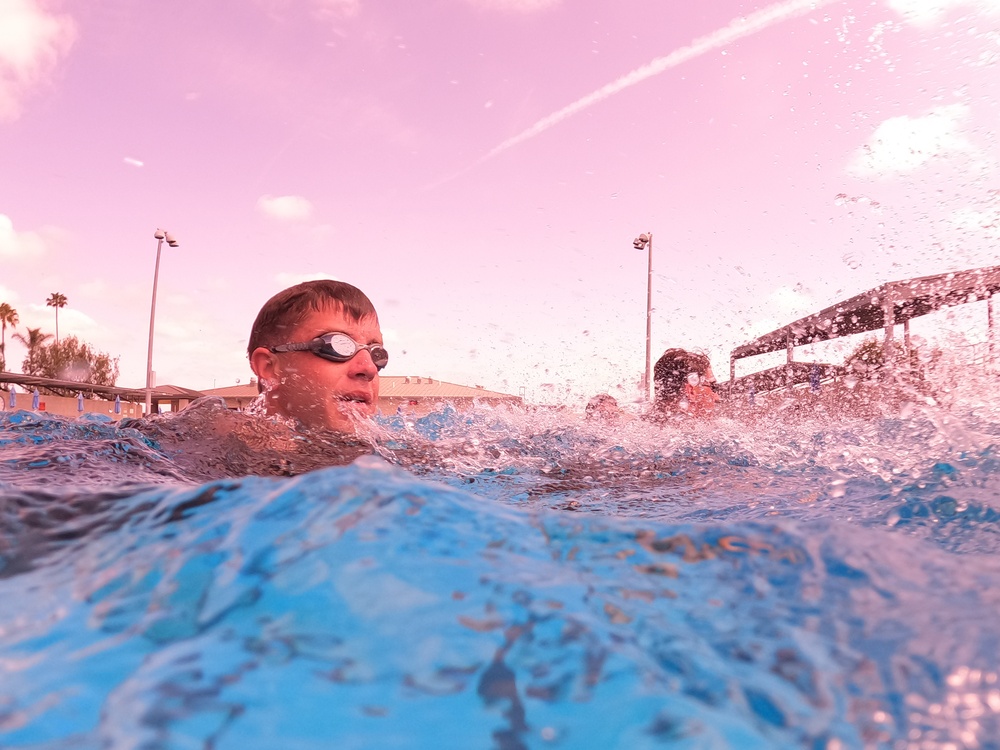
(598, 405)
(671, 371)
(285, 310)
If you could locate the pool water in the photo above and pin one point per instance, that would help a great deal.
(503, 579)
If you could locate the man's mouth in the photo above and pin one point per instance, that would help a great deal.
(355, 398)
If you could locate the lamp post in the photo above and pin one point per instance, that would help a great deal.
(644, 241)
(160, 236)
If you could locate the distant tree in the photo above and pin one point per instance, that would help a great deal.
(72, 359)
(56, 300)
(8, 316)
(869, 356)
(34, 340)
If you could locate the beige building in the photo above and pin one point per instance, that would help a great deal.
(18, 391)
(237, 397)
(414, 395)
(66, 406)
(420, 395)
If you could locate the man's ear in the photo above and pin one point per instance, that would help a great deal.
(264, 364)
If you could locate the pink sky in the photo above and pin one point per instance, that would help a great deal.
(481, 167)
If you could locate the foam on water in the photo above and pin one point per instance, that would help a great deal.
(502, 579)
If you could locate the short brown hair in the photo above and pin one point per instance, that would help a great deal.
(671, 371)
(286, 309)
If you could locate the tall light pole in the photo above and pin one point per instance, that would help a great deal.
(160, 235)
(644, 241)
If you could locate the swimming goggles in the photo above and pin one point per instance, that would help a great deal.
(336, 347)
(695, 379)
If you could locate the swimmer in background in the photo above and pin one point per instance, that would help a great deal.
(603, 408)
(316, 349)
(683, 386)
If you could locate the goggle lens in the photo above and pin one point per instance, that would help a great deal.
(339, 347)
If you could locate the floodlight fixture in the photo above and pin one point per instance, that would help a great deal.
(160, 235)
(642, 242)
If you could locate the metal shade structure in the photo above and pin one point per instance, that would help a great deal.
(783, 376)
(881, 307)
(134, 395)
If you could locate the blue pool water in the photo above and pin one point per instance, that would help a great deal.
(502, 580)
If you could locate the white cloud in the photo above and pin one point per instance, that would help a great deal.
(32, 43)
(904, 144)
(517, 6)
(286, 280)
(787, 300)
(8, 295)
(14, 244)
(336, 9)
(132, 162)
(72, 321)
(285, 207)
(324, 10)
(927, 11)
(760, 326)
(971, 226)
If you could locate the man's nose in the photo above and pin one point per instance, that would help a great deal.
(361, 365)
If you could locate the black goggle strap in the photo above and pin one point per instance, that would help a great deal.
(304, 347)
(321, 344)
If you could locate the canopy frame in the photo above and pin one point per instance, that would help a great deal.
(882, 307)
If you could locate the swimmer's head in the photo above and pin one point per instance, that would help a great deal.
(603, 407)
(673, 371)
(285, 310)
(304, 378)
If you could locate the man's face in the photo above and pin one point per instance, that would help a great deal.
(316, 391)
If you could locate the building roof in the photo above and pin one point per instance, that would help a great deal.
(910, 298)
(391, 386)
(240, 390)
(162, 393)
(173, 391)
(782, 376)
(409, 386)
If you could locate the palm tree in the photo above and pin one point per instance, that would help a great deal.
(8, 315)
(34, 341)
(56, 300)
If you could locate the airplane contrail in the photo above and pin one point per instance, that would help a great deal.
(736, 29)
